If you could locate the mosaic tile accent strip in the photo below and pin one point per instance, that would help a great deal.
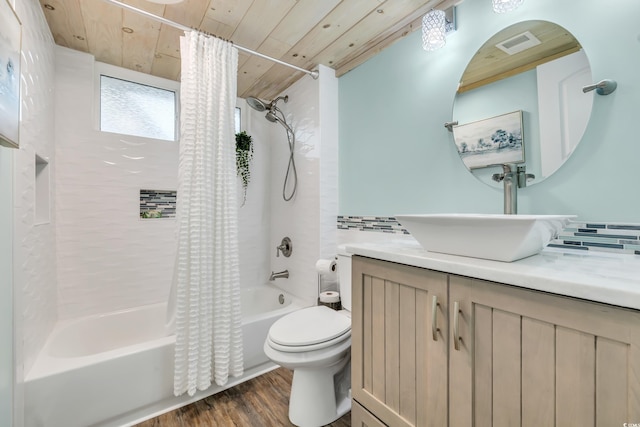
(383, 224)
(602, 237)
(157, 204)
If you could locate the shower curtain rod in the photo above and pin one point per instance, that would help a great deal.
(163, 20)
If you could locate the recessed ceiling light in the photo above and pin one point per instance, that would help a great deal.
(49, 7)
(127, 30)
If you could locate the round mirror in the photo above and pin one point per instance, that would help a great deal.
(520, 102)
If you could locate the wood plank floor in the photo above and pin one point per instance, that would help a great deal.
(260, 402)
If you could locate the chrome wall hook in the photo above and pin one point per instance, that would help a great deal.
(603, 87)
(450, 125)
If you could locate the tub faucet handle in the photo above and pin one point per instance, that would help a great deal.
(286, 247)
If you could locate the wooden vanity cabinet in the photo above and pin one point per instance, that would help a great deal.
(399, 343)
(528, 358)
(360, 417)
(507, 356)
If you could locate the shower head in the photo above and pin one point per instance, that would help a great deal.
(257, 104)
(271, 116)
(260, 105)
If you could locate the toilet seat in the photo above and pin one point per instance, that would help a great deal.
(309, 329)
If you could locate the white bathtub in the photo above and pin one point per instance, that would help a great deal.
(116, 369)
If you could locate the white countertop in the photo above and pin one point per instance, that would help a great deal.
(595, 276)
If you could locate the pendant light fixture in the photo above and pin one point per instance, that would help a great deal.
(434, 30)
(503, 6)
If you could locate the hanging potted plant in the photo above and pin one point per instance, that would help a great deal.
(244, 154)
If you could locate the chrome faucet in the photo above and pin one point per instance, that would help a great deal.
(512, 180)
(279, 275)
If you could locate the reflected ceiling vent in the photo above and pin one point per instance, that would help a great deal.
(518, 43)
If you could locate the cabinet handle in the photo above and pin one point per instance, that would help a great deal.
(456, 331)
(434, 318)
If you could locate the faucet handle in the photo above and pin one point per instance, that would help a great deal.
(497, 177)
(286, 247)
(524, 177)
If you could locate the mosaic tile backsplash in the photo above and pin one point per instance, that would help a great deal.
(580, 236)
(384, 224)
(157, 204)
(603, 237)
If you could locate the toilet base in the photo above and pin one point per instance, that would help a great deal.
(320, 396)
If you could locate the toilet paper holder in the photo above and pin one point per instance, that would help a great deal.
(329, 298)
(332, 300)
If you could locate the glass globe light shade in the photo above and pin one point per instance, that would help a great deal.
(503, 6)
(433, 30)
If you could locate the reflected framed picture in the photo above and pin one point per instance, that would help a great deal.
(10, 40)
(489, 142)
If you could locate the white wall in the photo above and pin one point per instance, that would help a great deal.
(328, 161)
(254, 218)
(34, 244)
(6, 286)
(310, 218)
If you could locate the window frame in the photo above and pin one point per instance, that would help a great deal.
(136, 77)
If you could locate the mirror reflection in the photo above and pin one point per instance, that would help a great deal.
(520, 101)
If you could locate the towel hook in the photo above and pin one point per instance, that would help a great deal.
(603, 87)
(450, 125)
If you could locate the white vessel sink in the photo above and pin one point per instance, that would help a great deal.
(488, 236)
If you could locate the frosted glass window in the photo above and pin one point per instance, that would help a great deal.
(136, 109)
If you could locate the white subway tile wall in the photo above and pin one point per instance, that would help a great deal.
(34, 245)
(301, 218)
(108, 258)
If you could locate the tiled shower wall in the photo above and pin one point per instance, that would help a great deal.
(34, 244)
(108, 257)
(312, 113)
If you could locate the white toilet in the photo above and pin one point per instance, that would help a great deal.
(315, 343)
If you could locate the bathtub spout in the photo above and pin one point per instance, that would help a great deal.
(279, 275)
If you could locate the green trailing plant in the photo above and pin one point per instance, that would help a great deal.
(244, 154)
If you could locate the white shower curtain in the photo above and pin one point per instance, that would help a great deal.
(206, 278)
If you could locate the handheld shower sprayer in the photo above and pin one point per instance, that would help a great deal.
(272, 115)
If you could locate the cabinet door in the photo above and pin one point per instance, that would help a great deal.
(360, 417)
(526, 358)
(399, 342)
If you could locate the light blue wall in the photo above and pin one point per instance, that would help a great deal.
(396, 156)
(507, 95)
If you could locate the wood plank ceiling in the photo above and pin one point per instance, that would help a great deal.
(340, 34)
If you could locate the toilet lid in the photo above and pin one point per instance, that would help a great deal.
(309, 326)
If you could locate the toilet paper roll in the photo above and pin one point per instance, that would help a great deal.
(326, 266)
(329, 296)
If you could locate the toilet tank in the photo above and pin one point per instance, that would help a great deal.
(344, 277)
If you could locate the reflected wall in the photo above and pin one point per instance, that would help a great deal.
(396, 156)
